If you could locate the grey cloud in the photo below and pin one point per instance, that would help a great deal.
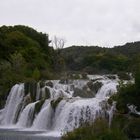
(87, 22)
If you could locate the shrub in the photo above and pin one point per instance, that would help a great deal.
(127, 94)
(133, 128)
(99, 130)
(36, 74)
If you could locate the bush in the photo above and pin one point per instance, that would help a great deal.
(127, 94)
(36, 74)
(133, 128)
(99, 130)
(127, 124)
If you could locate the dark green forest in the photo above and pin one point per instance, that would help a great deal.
(26, 55)
(101, 60)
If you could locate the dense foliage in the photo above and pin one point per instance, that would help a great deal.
(125, 119)
(25, 55)
(128, 94)
(95, 59)
(99, 130)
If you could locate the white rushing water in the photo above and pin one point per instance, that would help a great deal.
(13, 104)
(59, 106)
(26, 117)
(43, 120)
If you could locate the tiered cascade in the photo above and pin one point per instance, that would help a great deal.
(58, 105)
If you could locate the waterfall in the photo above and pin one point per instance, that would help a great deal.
(43, 120)
(107, 89)
(111, 112)
(13, 104)
(26, 117)
(71, 114)
(57, 106)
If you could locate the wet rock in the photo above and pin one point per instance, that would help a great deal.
(94, 86)
(47, 93)
(112, 77)
(27, 99)
(74, 76)
(71, 87)
(42, 84)
(93, 80)
(84, 93)
(38, 106)
(124, 76)
(26, 88)
(33, 90)
(63, 81)
(84, 76)
(31, 87)
(49, 84)
(54, 103)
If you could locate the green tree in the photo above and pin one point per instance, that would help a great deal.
(36, 74)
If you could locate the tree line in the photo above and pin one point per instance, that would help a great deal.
(101, 60)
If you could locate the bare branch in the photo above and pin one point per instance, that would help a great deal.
(58, 43)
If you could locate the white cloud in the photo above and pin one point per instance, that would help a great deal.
(87, 22)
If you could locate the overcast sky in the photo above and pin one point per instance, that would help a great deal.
(86, 22)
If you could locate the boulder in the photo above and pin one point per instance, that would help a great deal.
(112, 77)
(63, 81)
(94, 86)
(27, 99)
(47, 93)
(124, 76)
(49, 84)
(84, 93)
(38, 106)
(54, 103)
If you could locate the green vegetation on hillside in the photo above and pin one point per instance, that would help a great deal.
(25, 55)
(97, 60)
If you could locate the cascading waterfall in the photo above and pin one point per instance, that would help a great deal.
(38, 91)
(106, 90)
(26, 117)
(111, 112)
(57, 105)
(72, 112)
(43, 120)
(13, 105)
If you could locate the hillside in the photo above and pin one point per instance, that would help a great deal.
(25, 55)
(94, 59)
